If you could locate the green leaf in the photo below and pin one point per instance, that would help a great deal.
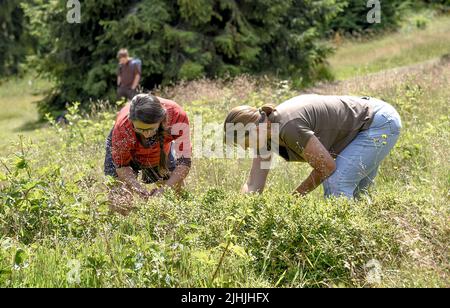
(239, 251)
(21, 163)
(20, 257)
(31, 185)
(5, 271)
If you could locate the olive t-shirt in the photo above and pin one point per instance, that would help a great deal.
(334, 120)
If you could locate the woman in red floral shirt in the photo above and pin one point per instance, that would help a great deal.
(151, 135)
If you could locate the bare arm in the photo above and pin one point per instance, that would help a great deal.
(177, 177)
(322, 162)
(258, 177)
(119, 81)
(136, 80)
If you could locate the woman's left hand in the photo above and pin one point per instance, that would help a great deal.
(157, 192)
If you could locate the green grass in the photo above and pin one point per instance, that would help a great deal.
(409, 46)
(19, 113)
(56, 231)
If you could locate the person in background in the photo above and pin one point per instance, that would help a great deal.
(128, 75)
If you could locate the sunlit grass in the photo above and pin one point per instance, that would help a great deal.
(409, 46)
(18, 114)
(54, 212)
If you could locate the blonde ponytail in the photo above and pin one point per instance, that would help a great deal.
(267, 109)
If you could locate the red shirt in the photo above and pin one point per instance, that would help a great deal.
(126, 147)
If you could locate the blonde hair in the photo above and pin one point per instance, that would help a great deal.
(246, 115)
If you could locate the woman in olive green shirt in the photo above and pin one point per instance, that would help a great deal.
(343, 138)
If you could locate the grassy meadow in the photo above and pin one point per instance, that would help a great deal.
(56, 230)
(410, 45)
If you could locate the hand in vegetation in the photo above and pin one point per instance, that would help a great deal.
(121, 200)
(157, 192)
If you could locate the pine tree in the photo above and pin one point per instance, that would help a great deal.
(15, 44)
(178, 39)
(353, 19)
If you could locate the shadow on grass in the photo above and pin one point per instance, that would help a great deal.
(30, 126)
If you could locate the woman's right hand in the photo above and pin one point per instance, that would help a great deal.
(144, 194)
(258, 176)
(120, 200)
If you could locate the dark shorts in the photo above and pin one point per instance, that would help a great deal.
(149, 175)
(126, 92)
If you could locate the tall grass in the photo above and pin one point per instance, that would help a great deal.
(18, 110)
(56, 230)
(414, 43)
